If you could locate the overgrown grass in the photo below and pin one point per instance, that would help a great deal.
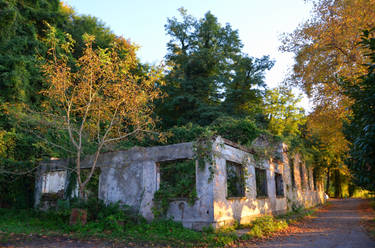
(159, 231)
(266, 225)
(110, 224)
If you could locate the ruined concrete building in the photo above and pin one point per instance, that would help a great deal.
(268, 185)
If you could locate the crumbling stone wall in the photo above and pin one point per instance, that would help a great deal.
(132, 177)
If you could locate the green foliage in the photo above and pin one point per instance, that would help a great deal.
(17, 190)
(361, 130)
(206, 67)
(159, 232)
(177, 180)
(110, 226)
(16, 177)
(241, 131)
(23, 26)
(243, 94)
(22, 31)
(235, 180)
(78, 25)
(186, 133)
(285, 117)
(297, 213)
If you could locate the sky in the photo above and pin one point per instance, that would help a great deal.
(259, 23)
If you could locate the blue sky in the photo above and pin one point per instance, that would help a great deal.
(260, 24)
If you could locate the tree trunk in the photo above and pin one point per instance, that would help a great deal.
(338, 191)
(327, 184)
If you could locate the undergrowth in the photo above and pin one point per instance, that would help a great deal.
(120, 224)
(264, 226)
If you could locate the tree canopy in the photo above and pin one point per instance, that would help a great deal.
(208, 73)
(326, 48)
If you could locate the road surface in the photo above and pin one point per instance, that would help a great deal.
(337, 226)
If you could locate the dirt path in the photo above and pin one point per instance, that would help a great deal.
(335, 226)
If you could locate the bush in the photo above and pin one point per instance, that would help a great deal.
(110, 215)
(242, 131)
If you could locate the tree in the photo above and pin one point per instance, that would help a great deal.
(243, 93)
(78, 25)
(326, 48)
(22, 31)
(99, 102)
(361, 129)
(206, 67)
(284, 116)
(22, 25)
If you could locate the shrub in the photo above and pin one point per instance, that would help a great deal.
(266, 225)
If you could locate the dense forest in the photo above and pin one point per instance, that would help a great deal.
(208, 86)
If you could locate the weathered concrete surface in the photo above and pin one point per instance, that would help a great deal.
(243, 210)
(132, 177)
(53, 182)
(201, 213)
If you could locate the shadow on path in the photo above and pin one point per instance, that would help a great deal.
(336, 226)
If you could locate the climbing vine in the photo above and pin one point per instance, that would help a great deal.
(203, 154)
(177, 180)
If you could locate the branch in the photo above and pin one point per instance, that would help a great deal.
(124, 136)
(18, 173)
(69, 125)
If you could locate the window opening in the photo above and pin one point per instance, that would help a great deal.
(177, 178)
(279, 184)
(308, 179)
(302, 176)
(92, 186)
(261, 182)
(291, 165)
(235, 179)
(314, 178)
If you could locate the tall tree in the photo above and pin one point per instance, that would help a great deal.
(22, 30)
(244, 91)
(361, 130)
(202, 56)
(22, 25)
(326, 49)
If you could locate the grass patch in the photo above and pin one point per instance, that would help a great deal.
(119, 225)
(267, 225)
(264, 226)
